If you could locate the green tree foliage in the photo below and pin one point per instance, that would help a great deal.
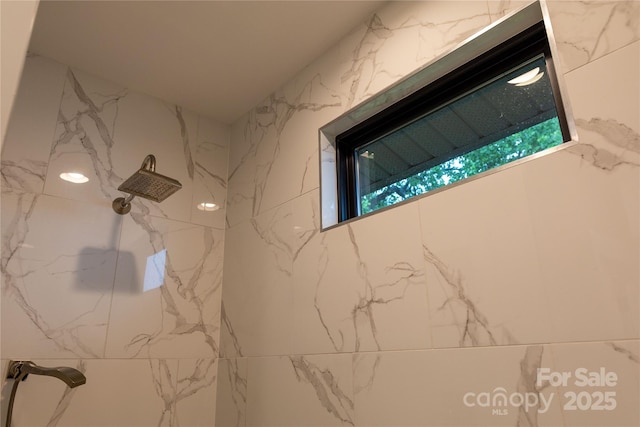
(516, 146)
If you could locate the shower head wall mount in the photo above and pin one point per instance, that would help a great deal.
(145, 183)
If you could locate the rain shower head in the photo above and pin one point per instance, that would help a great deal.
(145, 183)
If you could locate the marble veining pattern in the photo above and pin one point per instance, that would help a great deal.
(38, 278)
(527, 383)
(327, 389)
(230, 346)
(28, 175)
(73, 271)
(165, 388)
(588, 30)
(175, 388)
(27, 144)
(363, 62)
(232, 393)
(320, 386)
(189, 295)
(186, 287)
(271, 165)
(258, 258)
(621, 144)
(347, 292)
(628, 353)
(496, 272)
(435, 27)
(77, 125)
(210, 169)
(298, 293)
(386, 293)
(196, 378)
(268, 228)
(473, 326)
(264, 141)
(184, 133)
(499, 9)
(97, 124)
(65, 400)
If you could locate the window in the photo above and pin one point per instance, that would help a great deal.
(485, 111)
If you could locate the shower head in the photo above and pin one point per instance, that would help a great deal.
(145, 183)
(72, 377)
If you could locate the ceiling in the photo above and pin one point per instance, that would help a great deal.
(217, 58)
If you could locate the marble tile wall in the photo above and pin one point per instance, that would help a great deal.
(395, 318)
(364, 324)
(76, 283)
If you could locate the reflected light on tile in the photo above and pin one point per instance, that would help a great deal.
(154, 271)
(74, 177)
(208, 206)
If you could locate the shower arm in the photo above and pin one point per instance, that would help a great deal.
(126, 200)
(149, 163)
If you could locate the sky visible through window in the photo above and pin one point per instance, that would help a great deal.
(519, 145)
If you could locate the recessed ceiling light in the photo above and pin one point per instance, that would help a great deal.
(208, 206)
(75, 177)
(527, 78)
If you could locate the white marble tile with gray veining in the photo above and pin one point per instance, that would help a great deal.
(395, 42)
(66, 398)
(146, 393)
(258, 285)
(276, 163)
(480, 386)
(528, 385)
(474, 327)
(163, 375)
(158, 392)
(593, 370)
(105, 132)
(607, 115)
(588, 30)
(608, 144)
(352, 294)
(246, 134)
(274, 156)
(30, 132)
(332, 397)
(300, 391)
(210, 181)
(596, 212)
(58, 275)
(196, 391)
(27, 175)
(168, 290)
(229, 342)
(501, 8)
(86, 128)
(484, 284)
(231, 403)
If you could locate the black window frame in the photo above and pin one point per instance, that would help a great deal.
(525, 46)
